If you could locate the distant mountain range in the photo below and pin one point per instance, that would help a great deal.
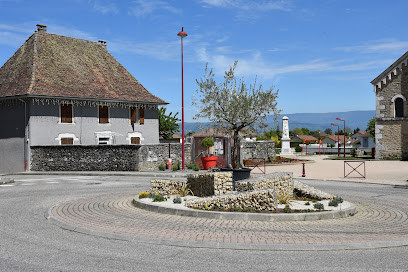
(311, 121)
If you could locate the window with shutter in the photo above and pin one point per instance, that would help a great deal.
(133, 118)
(103, 115)
(141, 114)
(67, 141)
(135, 140)
(66, 113)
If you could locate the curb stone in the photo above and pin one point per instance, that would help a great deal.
(248, 216)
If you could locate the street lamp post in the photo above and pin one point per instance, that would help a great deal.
(338, 143)
(182, 34)
(344, 133)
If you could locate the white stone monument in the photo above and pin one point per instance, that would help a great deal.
(285, 141)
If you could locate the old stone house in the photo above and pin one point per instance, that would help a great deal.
(58, 90)
(391, 123)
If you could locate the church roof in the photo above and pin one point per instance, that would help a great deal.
(390, 72)
(50, 65)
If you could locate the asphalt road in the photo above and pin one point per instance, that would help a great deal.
(30, 242)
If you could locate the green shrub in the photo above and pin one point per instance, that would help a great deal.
(162, 167)
(159, 198)
(333, 203)
(177, 200)
(284, 196)
(176, 166)
(353, 152)
(189, 166)
(298, 149)
(207, 142)
(196, 167)
(307, 203)
(336, 201)
(318, 206)
(144, 194)
(287, 209)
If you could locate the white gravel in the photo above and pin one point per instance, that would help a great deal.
(294, 205)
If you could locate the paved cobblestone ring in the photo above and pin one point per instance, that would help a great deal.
(113, 216)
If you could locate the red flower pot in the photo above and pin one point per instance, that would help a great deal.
(209, 162)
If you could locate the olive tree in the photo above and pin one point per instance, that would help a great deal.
(232, 105)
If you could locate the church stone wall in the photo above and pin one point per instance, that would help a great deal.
(392, 133)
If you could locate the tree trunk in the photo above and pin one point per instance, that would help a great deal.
(236, 160)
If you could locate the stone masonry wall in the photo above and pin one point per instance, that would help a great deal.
(258, 149)
(280, 181)
(392, 139)
(258, 200)
(166, 186)
(391, 132)
(209, 184)
(104, 157)
(151, 156)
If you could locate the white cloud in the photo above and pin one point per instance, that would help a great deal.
(157, 50)
(17, 28)
(255, 64)
(143, 8)
(248, 5)
(248, 10)
(378, 46)
(12, 39)
(105, 8)
(71, 32)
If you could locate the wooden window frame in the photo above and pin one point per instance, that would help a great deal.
(99, 115)
(67, 141)
(141, 116)
(135, 140)
(133, 115)
(63, 119)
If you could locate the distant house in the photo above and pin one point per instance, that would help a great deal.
(335, 140)
(391, 120)
(301, 138)
(58, 90)
(176, 138)
(320, 134)
(363, 140)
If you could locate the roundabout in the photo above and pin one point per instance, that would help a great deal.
(88, 223)
(374, 225)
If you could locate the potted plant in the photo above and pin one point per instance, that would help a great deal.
(208, 160)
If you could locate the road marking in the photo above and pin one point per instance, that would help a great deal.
(27, 184)
(52, 182)
(7, 185)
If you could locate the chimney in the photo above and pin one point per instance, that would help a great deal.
(41, 28)
(103, 43)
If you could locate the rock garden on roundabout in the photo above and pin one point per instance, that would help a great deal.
(271, 197)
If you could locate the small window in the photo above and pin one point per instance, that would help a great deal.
(67, 141)
(399, 107)
(104, 141)
(103, 115)
(133, 117)
(365, 142)
(141, 116)
(66, 113)
(135, 140)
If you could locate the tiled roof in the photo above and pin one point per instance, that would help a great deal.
(308, 138)
(336, 138)
(57, 66)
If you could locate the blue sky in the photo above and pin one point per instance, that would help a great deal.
(320, 54)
